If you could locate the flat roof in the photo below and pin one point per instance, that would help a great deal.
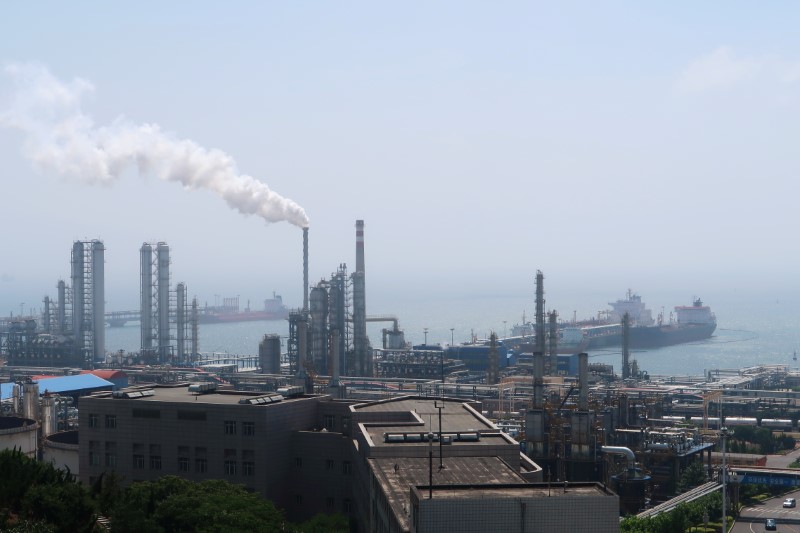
(423, 417)
(181, 394)
(397, 475)
(538, 490)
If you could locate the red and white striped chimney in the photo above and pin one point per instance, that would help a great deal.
(359, 246)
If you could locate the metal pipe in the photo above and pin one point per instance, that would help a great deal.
(583, 381)
(627, 452)
(538, 380)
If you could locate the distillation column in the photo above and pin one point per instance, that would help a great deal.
(162, 256)
(146, 297)
(78, 298)
(553, 371)
(98, 300)
(180, 321)
(540, 335)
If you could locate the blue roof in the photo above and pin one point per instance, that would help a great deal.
(72, 383)
(61, 384)
(6, 390)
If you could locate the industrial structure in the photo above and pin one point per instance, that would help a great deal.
(158, 310)
(72, 331)
(335, 308)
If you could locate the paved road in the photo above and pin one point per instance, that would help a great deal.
(782, 461)
(752, 518)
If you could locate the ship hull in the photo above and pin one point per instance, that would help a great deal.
(225, 318)
(657, 336)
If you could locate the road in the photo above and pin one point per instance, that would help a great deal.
(752, 518)
(782, 461)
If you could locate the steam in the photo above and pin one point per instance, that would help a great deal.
(60, 137)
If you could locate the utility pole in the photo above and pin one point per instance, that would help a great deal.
(439, 405)
(723, 434)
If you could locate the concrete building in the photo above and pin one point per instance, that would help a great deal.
(375, 462)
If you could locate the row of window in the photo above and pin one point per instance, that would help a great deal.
(330, 502)
(230, 466)
(330, 464)
(230, 426)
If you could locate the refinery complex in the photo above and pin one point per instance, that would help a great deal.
(517, 433)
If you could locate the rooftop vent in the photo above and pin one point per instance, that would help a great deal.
(133, 394)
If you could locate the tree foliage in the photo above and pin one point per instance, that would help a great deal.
(692, 476)
(682, 517)
(173, 504)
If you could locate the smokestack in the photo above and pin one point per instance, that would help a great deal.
(359, 246)
(583, 381)
(305, 269)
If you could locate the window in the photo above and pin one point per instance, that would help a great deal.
(346, 468)
(201, 465)
(345, 424)
(146, 413)
(329, 502)
(248, 468)
(111, 421)
(183, 464)
(93, 420)
(347, 506)
(329, 421)
(191, 415)
(298, 462)
(94, 458)
(230, 467)
(111, 454)
(155, 457)
(230, 427)
(248, 429)
(298, 499)
(329, 464)
(138, 461)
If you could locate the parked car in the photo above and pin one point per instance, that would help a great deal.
(790, 502)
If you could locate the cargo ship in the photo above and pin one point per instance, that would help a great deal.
(690, 323)
(229, 311)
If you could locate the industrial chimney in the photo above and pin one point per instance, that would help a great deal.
(359, 246)
(305, 269)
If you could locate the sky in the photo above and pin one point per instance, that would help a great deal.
(608, 144)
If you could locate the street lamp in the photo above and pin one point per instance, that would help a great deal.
(439, 405)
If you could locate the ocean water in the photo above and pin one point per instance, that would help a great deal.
(752, 328)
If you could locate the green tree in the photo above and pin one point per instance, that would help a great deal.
(325, 523)
(692, 476)
(172, 504)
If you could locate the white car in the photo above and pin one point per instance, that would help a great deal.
(790, 502)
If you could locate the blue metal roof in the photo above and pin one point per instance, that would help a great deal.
(61, 384)
(72, 383)
(6, 390)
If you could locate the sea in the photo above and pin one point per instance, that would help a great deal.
(753, 328)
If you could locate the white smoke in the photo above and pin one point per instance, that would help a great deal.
(60, 137)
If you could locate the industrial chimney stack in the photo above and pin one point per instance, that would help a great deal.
(359, 246)
(305, 269)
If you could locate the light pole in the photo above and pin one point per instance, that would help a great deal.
(439, 406)
(505, 329)
(451, 336)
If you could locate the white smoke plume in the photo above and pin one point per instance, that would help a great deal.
(60, 137)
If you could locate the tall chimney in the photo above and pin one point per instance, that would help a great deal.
(359, 246)
(305, 269)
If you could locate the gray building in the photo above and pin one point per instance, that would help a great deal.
(389, 465)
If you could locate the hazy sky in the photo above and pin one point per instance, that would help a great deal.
(609, 144)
